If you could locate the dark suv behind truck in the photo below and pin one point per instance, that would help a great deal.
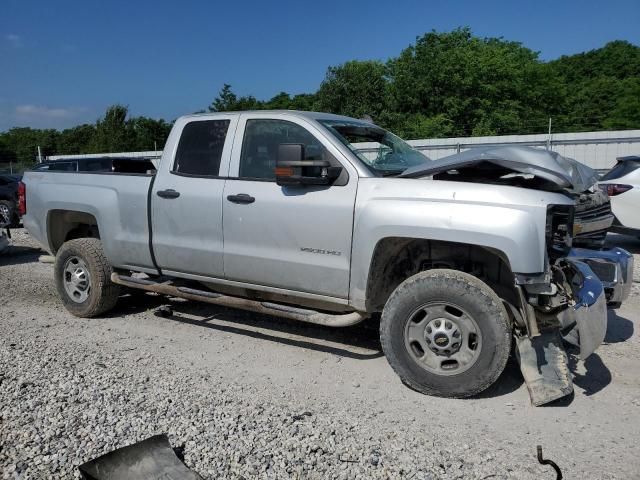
(9, 200)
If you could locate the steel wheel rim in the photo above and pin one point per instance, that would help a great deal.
(443, 338)
(4, 215)
(76, 279)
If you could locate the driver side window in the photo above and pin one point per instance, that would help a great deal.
(260, 147)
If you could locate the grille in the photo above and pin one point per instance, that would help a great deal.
(587, 224)
(592, 210)
(594, 213)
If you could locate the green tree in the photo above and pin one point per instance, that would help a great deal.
(148, 133)
(417, 125)
(625, 114)
(115, 132)
(304, 101)
(455, 83)
(445, 84)
(227, 101)
(356, 88)
(600, 87)
(7, 155)
(474, 82)
(112, 132)
(22, 144)
(76, 140)
(281, 101)
(618, 59)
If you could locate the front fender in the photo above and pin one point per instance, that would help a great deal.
(517, 231)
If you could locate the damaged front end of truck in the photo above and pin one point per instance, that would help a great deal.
(571, 305)
(568, 302)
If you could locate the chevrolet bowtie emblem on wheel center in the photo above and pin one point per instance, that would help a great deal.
(441, 340)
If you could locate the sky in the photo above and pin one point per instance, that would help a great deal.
(64, 62)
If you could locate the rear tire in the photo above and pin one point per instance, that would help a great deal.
(446, 333)
(7, 214)
(83, 278)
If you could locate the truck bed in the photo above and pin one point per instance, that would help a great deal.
(117, 201)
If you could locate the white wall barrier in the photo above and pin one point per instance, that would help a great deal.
(599, 150)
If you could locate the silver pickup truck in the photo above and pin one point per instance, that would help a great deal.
(331, 220)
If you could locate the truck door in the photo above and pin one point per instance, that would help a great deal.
(295, 238)
(186, 199)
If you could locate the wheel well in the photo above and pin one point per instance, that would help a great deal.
(396, 259)
(64, 225)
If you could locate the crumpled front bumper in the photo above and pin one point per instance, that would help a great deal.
(543, 360)
(596, 279)
(584, 324)
(613, 267)
(601, 278)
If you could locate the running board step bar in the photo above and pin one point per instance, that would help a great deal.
(267, 308)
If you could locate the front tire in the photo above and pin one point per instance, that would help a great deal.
(83, 278)
(446, 333)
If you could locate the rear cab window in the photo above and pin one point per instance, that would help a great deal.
(200, 148)
(95, 165)
(63, 167)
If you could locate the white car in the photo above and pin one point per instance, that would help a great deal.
(622, 184)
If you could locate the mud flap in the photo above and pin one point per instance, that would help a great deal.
(543, 362)
(150, 458)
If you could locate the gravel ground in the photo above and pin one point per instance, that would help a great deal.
(251, 396)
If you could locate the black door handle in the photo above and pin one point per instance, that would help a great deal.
(241, 198)
(168, 193)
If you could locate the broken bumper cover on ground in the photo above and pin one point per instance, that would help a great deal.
(613, 267)
(542, 358)
(603, 278)
(585, 323)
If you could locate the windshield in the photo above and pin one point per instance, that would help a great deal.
(380, 150)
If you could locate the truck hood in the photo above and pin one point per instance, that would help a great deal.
(490, 164)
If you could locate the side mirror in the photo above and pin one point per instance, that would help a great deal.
(293, 169)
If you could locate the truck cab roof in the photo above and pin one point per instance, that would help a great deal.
(296, 113)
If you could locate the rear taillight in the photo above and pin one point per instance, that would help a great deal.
(614, 189)
(22, 199)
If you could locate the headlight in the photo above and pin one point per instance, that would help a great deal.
(559, 230)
